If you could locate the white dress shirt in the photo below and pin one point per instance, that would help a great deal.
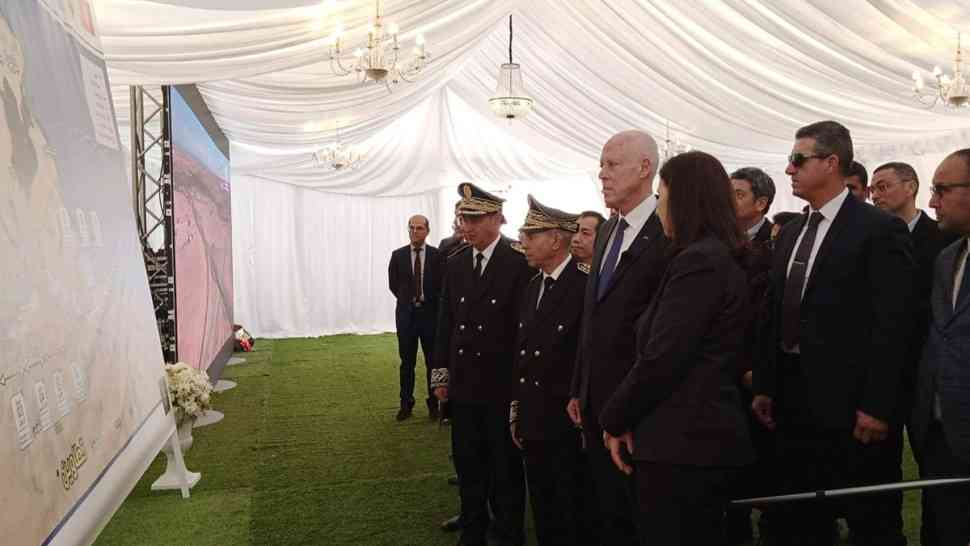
(487, 254)
(635, 220)
(829, 211)
(555, 277)
(912, 223)
(753, 230)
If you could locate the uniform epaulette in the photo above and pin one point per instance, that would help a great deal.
(584, 267)
(457, 250)
(517, 246)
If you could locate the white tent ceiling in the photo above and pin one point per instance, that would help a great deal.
(734, 77)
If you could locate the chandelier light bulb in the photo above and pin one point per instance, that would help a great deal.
(952, 90)
(393, 28)
(937, 71)
(419, 39)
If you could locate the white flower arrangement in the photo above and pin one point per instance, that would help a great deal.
(189, 389)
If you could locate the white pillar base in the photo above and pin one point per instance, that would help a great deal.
(211, 417)
(235, 360)
(224, 385)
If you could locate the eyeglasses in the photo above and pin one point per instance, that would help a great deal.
(939, 190)
(797, 159)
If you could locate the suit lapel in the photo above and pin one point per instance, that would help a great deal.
(963, 305)
(943, 307)
(648, 235)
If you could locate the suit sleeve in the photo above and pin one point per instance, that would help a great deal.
(392, 275)
(440, 376)
(764, 375)
(891, 275)
(691, 297)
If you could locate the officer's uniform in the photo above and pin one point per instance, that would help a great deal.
(548, 331)
(475, 348)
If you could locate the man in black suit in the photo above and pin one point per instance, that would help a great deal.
(894, 188)
(940, 425)
(475, 350)
(754, 191)
(837, 335)
(549, 320)
(455, 243)
(629, 261)
(581, 247)
(414, 276)
(857, 180)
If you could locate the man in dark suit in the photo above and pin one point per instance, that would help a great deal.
(754, 191)
(857, 180)
(582, 245)
(838, 330)
(629, 261)
(940, 425)
(894, 189)
(453, 244)
(414, 276)
(549, 320)
(475, 350)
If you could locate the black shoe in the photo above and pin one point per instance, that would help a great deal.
(452, 524)
(405, 410)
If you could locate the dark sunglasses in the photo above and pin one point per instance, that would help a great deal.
(797, 159)
(940, 190)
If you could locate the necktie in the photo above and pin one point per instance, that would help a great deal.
(478, 265)
(418, 280)
(546, 287)
(609, 266)
(795, 283)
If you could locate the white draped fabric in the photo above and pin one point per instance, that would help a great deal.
(734, 78)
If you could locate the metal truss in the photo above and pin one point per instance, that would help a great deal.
(151, 168)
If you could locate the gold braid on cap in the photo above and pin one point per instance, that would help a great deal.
(539, 220)
(479, 204)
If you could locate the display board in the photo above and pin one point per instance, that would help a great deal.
(81, 365)
(203, 233)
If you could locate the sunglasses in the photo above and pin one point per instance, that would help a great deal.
(797, 159)
(940, 190)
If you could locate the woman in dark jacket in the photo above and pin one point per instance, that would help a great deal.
(676, 421)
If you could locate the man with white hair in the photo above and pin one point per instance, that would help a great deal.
(629, 259)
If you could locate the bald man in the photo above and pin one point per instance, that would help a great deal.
(414, 277)
(629, 258)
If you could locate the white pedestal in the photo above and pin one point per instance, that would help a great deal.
(211, 417)
(176, 475)
(223, 385)
(235, 360)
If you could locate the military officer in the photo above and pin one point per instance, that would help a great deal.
(549, 321)
(477, 325)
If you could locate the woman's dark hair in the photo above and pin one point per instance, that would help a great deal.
(700, 201)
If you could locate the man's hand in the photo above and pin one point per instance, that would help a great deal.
(868, 429)
(616, 443)
(518, 441)
(441, 393)
(572, 408)
(746, 379)
(761, 406)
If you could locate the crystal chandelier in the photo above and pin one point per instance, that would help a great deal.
(953, 91)
(671, 146)
(510, 100)
(337, 156)
(381, 61)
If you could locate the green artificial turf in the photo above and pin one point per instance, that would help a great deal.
(310, 453)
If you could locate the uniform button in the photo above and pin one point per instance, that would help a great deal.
(493, 302)
(537, 353)
(560, 328)
(478, 354)
(522, 352)
(461, 327)
(521, 380)
(479, 327)
(461, 299)
(461, 351)
(537, 383)
(520, 325)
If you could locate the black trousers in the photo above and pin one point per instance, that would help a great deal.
(951, 505)
(415, 324)
(559, 492)
(615, 491)
(810, 458)
(756, 479)
(681, 505)
(485, 455)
